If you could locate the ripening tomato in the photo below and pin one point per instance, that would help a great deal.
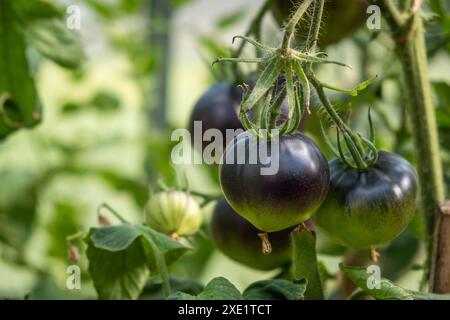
(218, 109)
(293, 186)
(365, 208)
(238, 239)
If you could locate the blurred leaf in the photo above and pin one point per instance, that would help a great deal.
(122, 183)
(192, 264)
(47, 32)
(56, 42)
(65, 221)
(214, 47)
(177, 3)
(153, 290)
(276, 289)
(388, 290)
(19, 105)
(72, 107)
(231, 19)
(122, 257)
(399, 255)
(130, 6)
(106, 102)
(217, 289)
(33, 10)
(18, 207)
(102, 8)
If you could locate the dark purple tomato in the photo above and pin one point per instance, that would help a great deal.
(292, 188)
(238, 239)
(365, 208)
(342, 18)
(218, 108)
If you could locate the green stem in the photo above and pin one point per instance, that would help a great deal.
(411, 52)
(350, 138)
(314, 31)
(255, 29)
(114, 212)
(304, 259)
(162, 267)
(292, 23)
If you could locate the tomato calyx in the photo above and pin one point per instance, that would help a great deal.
(288, 63)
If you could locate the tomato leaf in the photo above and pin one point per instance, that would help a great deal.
(56, 42)
(18, 207)
(387, 291)
(47, 32)
(231, 19)
(217, 289)
(122, 257)
(19, 105)
(267, 78)
(276, 289)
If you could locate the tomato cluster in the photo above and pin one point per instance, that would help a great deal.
(359, 208)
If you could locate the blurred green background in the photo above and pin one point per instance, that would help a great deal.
(105, 136)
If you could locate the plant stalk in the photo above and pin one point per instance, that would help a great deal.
(292, 23)
(305, 261)
(408, 36)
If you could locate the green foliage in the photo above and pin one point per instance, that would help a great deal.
(273, 289)
(216, 289)
(38, 24)
(122, 257)
(18, 97)
(387, 291)
(276, 289)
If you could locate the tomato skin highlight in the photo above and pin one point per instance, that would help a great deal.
(238, 239)
(365, 208)
(218, 108)
(276, 202)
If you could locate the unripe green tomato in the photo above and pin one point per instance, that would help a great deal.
(370, 207)
(173, 212)
(341, 18)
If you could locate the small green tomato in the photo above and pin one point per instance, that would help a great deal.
(175, 213)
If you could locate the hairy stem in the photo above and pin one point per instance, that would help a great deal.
(292, 23)
(408, 36)
(314, 31)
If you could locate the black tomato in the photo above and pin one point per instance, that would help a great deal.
(238, 239)
(218, 109)
(342, 18)
(365, 208)
(288, 193)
